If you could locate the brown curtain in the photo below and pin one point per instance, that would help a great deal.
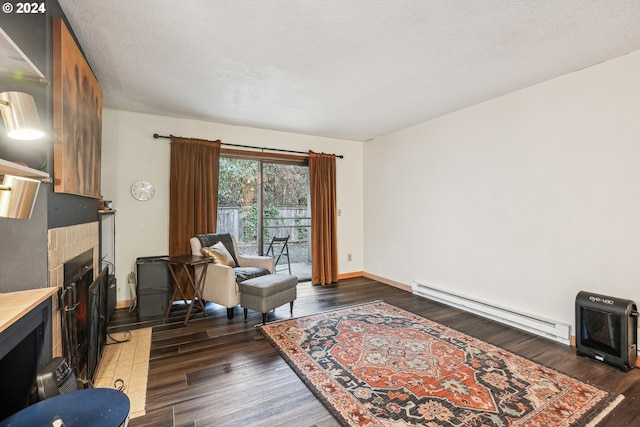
(193, 191)
(324, 243)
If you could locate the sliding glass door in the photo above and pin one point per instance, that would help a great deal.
(259, 200)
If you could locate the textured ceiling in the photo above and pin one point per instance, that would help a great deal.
(352, 69)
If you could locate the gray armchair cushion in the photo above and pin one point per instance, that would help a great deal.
(246, 273)
(212, 239)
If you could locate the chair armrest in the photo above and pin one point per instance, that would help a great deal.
(220, 270)
(220, 285)
(256, 261)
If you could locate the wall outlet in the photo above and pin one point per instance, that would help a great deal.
(131, 278)
(349, 257)
(339, 212)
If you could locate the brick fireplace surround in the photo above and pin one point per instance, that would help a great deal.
(64, 244)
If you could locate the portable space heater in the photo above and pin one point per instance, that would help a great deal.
(606, 329)
(55, 378)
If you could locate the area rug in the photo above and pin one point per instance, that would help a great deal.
(378, 365)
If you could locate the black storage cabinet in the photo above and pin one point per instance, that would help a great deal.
(153, 285)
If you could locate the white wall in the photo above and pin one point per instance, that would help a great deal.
(523, 200)
(130, 153)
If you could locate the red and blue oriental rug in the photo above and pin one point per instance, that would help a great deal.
(378, 365)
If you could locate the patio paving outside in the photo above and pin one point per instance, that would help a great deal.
(299, 269)
(298, 255)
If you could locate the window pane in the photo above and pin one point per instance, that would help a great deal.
(286, 195)
(238, 202)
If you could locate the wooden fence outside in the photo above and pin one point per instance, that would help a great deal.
(291, 221)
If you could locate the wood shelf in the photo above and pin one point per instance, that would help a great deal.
(11, 168)
(14, 305)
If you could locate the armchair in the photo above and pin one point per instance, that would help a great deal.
(221, 283)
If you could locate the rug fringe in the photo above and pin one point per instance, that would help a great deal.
(596, 420)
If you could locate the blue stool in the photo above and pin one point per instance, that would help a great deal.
(95, 407)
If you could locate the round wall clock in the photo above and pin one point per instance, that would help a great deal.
(143, 190)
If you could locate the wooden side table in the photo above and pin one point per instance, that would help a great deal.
(181, 268)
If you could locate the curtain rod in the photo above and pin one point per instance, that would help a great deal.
(156, 136)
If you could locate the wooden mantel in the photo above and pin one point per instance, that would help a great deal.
(14, 305)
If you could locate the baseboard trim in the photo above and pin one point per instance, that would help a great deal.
(386, 281)
(124, 303)
(350, 275)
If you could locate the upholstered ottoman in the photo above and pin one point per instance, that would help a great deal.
(265, 293)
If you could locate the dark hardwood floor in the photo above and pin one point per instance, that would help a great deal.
(220, 372)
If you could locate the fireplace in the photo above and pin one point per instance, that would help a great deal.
(83, 301)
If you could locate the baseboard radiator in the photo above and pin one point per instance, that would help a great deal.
(547, 328)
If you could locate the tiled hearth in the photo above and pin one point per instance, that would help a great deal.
(127, 364)
(64, 244)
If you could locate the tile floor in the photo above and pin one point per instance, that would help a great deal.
(128, 362)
